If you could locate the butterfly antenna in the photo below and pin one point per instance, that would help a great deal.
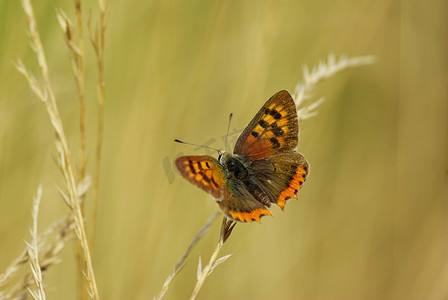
(228, 129)
(208, 147)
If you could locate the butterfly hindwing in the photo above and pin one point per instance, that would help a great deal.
(281, 175)
(274, 128)
(203, 171)
(240, 205)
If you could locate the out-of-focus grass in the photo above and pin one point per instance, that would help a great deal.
(371, 219)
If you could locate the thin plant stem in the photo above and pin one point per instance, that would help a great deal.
(33, 252)
(319, 73)
(181, 262)
(61, 227)
(207, 269)
(12, 269)
(48, 257)
(226, 230)
(98, 42)
(79, 79)
(46, 94)
(73, 36)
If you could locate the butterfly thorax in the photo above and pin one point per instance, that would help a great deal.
(233, 166)
(240, 181)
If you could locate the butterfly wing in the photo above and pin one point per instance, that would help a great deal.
(281, 175)
(204, 172)
(239, 205)
(273, 129)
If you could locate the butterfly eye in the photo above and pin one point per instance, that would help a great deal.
(219, 157)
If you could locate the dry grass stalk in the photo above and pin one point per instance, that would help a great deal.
(49, 250)
(319, 73)
(181, 262)
(46, 95)
(202, 274)
(48, 258)
(23, 257)
(33, 252)
(97, 38)
(73, 36)
(79, 78)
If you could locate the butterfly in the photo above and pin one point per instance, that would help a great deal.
(264, 168)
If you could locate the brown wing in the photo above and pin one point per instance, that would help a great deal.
(204, 172)
(281, 175)
(242, 207)
(273, 129)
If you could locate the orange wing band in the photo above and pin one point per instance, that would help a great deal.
(294, 187)
(254, 215)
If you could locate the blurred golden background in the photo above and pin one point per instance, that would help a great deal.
(371, 221)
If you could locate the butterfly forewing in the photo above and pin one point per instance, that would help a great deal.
(203, 171)
(274, 128)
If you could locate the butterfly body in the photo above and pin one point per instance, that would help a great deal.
(263, 169)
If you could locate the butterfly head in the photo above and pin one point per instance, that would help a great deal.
(222, 157)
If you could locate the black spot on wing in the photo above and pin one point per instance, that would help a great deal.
(275, 114)
(275, 143)
(291, 178)
(215, 185)
(192, 169)
(255, 134)
(277, 130)
(263, 124)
